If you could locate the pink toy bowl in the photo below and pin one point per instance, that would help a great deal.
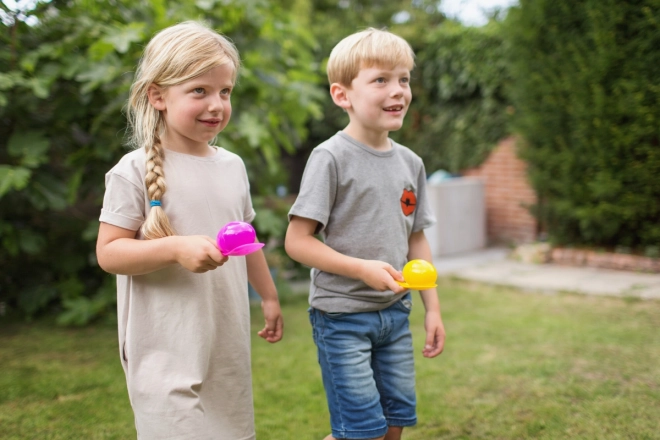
(237, 238)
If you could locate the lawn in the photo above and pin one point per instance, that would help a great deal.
(516, 365)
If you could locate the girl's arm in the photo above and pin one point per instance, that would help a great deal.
(418, 248)
(261, 280)
(119, 252)
(304, 247)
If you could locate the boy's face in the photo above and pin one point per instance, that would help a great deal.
(378, 98)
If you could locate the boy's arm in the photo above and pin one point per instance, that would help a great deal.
(302, 246)
(418, 248)
(119, 252)
(260, 278)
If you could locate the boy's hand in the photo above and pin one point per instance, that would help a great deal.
(435, 335)
(198, 253)
(380, 276)
(274, 328)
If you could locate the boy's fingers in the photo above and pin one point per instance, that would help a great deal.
(394, 273)
(396, 288)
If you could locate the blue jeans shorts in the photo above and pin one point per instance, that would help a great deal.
(368, 369)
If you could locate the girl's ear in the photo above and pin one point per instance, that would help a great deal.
(156, 97)
(340, 96)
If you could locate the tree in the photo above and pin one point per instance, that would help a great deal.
(333, 20)
(588, 106)
(460, 108)
(63, 83)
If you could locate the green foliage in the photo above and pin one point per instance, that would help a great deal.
(459, 109)
(332, 21)
(587, 102)
(63, 83)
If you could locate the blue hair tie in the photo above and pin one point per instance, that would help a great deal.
(155, 203)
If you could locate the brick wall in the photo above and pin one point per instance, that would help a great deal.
(507, 193)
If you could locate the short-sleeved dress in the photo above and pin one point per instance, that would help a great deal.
(184, 338)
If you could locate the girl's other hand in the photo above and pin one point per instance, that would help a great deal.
(198, 253)
(274, 328)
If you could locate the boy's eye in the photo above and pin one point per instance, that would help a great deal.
(198, 90)
(226, 91)
(380, 80)
(405, 80)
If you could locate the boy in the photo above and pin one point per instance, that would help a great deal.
(365, 195)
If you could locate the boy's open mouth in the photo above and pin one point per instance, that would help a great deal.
(394, 108)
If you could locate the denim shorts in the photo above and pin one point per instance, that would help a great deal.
(368, 369)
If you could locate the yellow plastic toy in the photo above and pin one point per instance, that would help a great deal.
(419, 275)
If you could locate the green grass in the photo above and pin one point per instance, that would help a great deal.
(516, 365)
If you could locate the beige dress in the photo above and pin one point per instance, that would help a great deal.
(184, 338)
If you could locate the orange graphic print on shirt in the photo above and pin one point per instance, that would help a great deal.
(408, 202)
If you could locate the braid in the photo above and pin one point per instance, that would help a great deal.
(155, 179)
(157, 224)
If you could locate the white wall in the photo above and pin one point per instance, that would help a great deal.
(460, 210)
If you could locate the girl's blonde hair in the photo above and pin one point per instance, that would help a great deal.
(174, 55)
(368, 48)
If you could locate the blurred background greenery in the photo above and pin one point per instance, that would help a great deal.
(575, 80)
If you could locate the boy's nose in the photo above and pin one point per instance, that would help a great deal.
(397, 90)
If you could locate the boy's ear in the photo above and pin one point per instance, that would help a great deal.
(339, 95)
(156, 97)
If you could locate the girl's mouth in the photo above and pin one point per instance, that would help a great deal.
(210, 122)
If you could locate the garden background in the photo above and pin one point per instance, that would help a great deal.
(574, 80)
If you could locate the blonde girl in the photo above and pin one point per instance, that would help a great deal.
(183, 311)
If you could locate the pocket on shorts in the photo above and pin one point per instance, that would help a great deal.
(405, 303)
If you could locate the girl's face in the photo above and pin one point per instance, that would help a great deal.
(195, 111)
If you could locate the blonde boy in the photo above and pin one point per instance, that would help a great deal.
(365, 195)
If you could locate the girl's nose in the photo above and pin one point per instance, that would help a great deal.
(215, 104)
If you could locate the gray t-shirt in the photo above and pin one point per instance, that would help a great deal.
(367, 203)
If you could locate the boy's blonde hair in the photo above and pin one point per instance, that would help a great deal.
(368, 48)
(174, 55)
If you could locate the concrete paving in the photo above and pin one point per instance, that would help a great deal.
(493, 266)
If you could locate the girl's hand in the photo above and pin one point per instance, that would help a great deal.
(380, 276)
(274, 328)
(198, 253)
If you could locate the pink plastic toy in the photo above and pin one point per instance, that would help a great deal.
(237, 238)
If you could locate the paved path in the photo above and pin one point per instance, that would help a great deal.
(494, 267)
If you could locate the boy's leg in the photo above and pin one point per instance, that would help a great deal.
(394, 369)
(394, 433)
(330, 437)
(344, 343)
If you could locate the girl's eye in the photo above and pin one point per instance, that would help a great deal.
(380, 80)
(405, 80)
(226, 91)
(198, 90)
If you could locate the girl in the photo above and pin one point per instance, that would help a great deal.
(184, 329)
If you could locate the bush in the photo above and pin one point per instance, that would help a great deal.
(587, 103)
(64, 80)
(459, 109)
